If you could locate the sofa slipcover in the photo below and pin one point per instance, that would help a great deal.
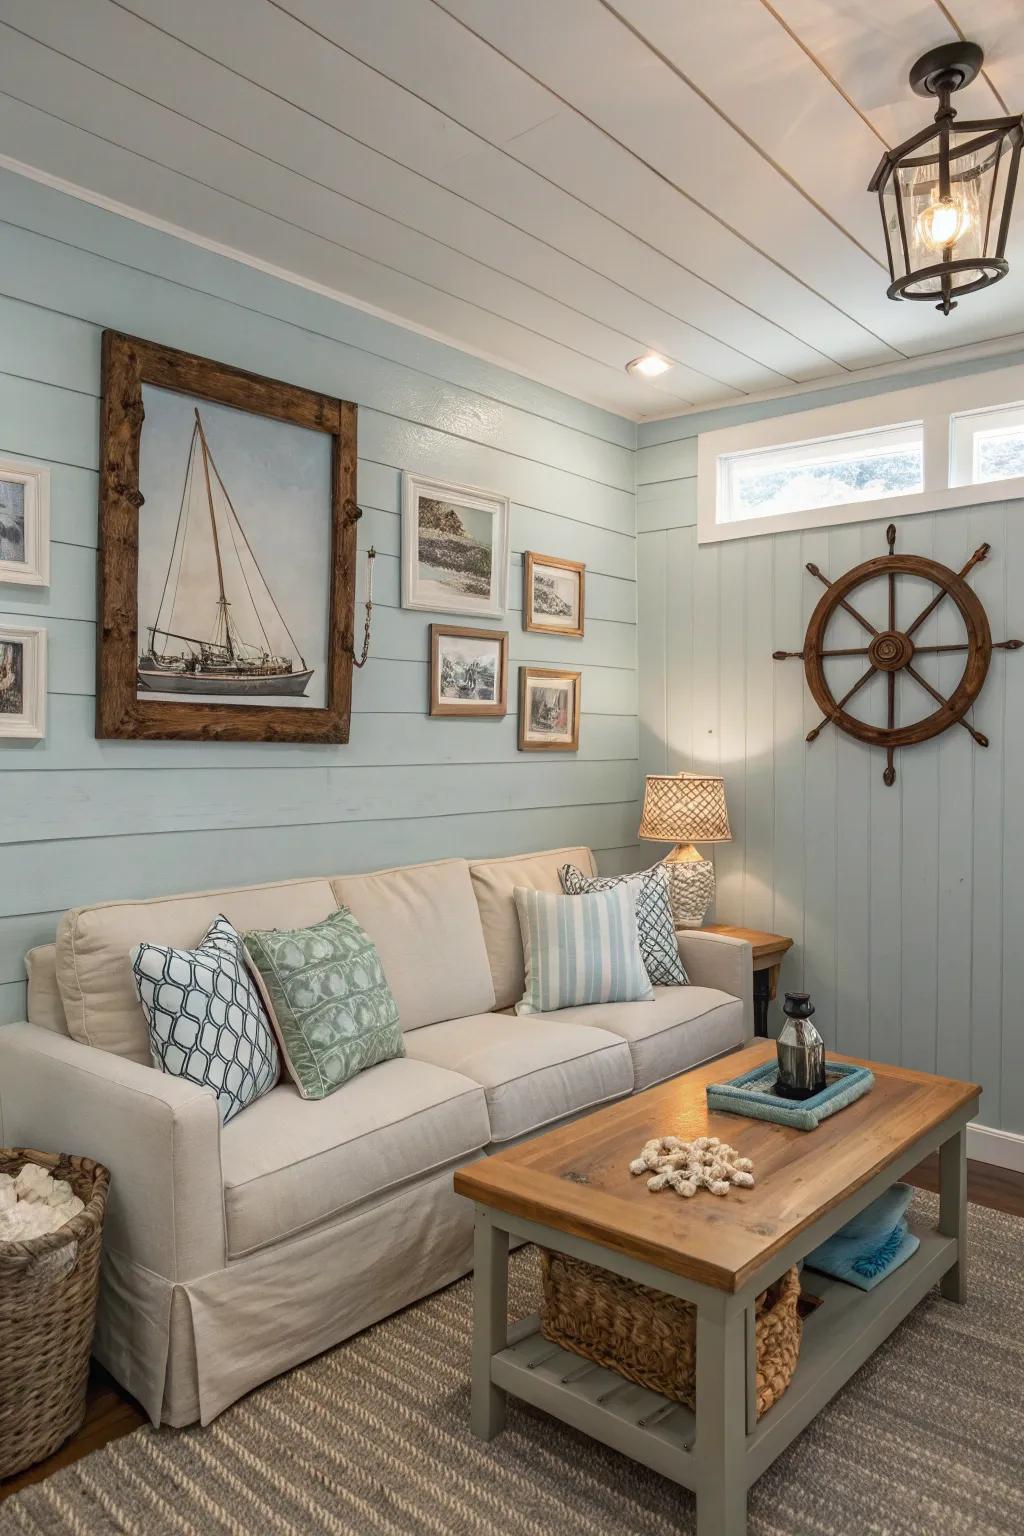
(289, 1163)
(681, 1028)
(534, 1071)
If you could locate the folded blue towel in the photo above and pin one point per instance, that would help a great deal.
(872, 1245)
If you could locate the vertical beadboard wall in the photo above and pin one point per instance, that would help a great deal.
(906, 904)
(83, 820)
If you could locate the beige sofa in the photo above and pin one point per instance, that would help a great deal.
(233, 1253)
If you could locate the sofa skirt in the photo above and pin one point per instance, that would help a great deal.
(188, 1351)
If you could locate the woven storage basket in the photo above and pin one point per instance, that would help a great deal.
(48, 1289)
(651, 1338)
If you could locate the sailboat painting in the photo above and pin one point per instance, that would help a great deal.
(234, 547)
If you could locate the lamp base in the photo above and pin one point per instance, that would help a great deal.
(691, 886)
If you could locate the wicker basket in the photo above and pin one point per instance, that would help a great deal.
(651, 1338)
(48, 1289)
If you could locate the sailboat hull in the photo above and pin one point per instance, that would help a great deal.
(209, 684)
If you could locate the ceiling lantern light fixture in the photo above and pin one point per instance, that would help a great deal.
(946, 194)
(649, 366)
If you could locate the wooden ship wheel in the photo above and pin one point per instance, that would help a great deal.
(891, 650)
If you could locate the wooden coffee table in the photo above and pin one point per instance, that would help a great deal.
(571, 1190)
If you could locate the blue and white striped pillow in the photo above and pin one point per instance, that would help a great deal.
(580, 949)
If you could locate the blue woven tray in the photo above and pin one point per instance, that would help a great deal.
(751, 1094)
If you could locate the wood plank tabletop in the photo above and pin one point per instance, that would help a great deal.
(761, 943)
(576, 1177)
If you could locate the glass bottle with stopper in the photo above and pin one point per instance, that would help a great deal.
(801, 1050)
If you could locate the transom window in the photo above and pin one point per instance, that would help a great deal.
(910, 450)
(830, 472)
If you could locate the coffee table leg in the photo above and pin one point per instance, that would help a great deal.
(490, 1324)
(953, 1211)
(720, 1447)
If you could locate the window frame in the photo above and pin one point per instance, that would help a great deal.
(934, 404)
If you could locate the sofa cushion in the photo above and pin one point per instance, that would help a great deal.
(682, 1027)
(44, 1005)
(94, 971)
(533, 1070)
(290, 1163)
(494, 880)
(425, 923)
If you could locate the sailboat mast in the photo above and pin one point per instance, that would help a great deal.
(216, 536)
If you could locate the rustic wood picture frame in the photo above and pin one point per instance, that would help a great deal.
(531, 562)
(128, 363)
(473, 711)
(528, 675)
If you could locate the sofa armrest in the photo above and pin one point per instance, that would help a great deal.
(158, 1135)
(720, 961)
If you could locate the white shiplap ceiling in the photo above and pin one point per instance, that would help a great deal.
(556, 184)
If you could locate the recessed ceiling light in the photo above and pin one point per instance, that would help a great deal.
(649, 366)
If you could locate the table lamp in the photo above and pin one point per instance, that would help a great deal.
(684, 809)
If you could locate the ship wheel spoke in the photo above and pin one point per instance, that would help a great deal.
(851, 650)
(939, 650)
(979, 554)
(851, 610)
(922, 682)
(858, 685)
(892, 601)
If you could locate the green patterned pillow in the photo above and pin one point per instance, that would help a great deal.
(329, 1001)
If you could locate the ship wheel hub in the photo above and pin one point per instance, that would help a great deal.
(891, 650)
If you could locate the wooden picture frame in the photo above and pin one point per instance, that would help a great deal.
(129, 363)
(533, 598)
(532, 739)
(466, 572)
(24, 523)
(22, 682)
(476, 641)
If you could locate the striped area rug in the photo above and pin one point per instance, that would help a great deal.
(373, 1437)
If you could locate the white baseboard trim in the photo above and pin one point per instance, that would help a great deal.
(1004, 1149)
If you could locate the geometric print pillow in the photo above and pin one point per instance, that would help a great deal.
(207, 1022)
(654, 922)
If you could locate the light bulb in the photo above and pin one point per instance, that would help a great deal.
(942, 223)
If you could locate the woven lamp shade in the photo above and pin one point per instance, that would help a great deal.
(685, 808)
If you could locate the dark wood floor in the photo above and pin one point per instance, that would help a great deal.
(112, 1413)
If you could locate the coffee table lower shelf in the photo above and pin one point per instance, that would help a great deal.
(838, 1338)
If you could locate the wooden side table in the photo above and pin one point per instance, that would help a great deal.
(768, 948)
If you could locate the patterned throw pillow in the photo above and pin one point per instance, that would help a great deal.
(207, 1022)
(580, 949)
(329, 1000)
(650, 891)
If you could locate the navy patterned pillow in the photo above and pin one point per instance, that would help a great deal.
(207, 1022)
(653, 918)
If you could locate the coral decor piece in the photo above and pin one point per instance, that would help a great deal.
(34, 1204)
(687, 1166)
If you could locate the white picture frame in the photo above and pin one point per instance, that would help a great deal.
(22, 682)
(24, 523)
(474, 580)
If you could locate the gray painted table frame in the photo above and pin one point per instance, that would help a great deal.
(723, 1447)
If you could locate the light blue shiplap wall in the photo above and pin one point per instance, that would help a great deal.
(83, 820)
(906, 904)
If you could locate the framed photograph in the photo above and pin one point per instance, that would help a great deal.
(468, 671)
(553, 594)
(454, 548)
(22, 681)
(549, 710)
(24, 523)
(227, 552)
